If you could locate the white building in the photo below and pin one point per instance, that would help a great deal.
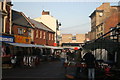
(51, 22)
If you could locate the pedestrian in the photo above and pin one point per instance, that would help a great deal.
(90, 62)
(63, 56)
(13, 60)
(68, 53)
(78, 59)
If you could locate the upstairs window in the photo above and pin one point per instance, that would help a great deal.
(36, 33)
(113, 32)
(20, 31)
(74, 38)
(29, 32)
(44, 35)
(49, 37)
(52, 36)
(40, 34)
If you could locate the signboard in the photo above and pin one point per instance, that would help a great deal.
(22, 39)
(6, 39)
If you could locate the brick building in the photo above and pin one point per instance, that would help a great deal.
(26, 30)
(66, 38)
(113, 19)
(80, 38)
(51, 22)
(21, 28)
(70, 40)
(5, 29)
(42, 34)
(105, 24)
(102, 19)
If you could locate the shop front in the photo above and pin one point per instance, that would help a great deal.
(6, 50)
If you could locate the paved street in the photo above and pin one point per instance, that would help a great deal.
(44, 71)
(49, 70)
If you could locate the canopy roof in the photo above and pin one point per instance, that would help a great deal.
(33, 45)
(25, 45)
(53, 47)
(102, 44)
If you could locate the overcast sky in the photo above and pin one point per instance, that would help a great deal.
(74, 16)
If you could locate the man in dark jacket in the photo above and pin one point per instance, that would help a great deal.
(90, 62)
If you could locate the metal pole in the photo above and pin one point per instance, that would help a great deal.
(1, 45)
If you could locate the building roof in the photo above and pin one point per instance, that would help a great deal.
(40, 25)
(19, 18)
(95, 12)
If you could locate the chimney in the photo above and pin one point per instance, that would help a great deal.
(45, 12)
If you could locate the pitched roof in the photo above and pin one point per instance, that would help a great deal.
(40, 25)
(95, 12)
(19, 18)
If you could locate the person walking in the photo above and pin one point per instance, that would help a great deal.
(63, 56)
(78, 59)
(90, 62)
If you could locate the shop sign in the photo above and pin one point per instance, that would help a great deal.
(6, 39)
(22, 39)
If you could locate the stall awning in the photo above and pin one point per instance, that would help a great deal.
(25, 45)
(102, 44)
(53, 47)
(32, 45)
